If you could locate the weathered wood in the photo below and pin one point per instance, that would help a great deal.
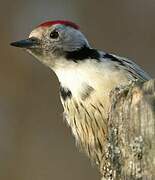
(130, 146)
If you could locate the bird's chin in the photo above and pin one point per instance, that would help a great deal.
(30, 51)
(38, 55)
(34, 52)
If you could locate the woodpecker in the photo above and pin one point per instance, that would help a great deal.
(86, 76)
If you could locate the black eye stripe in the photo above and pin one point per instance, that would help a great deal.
(54, 35)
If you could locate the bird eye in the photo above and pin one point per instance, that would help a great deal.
(54, 35)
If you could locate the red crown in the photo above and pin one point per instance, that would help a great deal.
(66, 23)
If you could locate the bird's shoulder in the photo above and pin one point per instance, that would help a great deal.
(125, 64)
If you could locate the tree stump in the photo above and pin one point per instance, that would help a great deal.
(130, 147)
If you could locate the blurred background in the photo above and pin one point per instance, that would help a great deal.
(35, 143)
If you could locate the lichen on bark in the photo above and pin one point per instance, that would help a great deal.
(130, 146)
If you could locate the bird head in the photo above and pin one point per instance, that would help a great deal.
(53, 40)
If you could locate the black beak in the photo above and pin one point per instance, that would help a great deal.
(27, 43)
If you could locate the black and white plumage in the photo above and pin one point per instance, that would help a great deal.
(86, 78)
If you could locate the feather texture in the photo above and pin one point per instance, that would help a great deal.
(87, 117)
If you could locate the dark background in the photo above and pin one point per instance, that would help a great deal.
(35, 144)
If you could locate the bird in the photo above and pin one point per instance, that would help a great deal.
(86, 77)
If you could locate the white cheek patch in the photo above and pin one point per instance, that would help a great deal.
(37, 33)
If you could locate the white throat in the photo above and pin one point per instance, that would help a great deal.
(73, 76)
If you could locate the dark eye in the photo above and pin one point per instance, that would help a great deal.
(54, 35)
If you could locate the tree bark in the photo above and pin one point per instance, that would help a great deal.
(130, 146)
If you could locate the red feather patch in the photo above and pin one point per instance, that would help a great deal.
(66, 23)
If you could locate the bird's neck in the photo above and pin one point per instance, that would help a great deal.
(77, 77)
(84, 82)
(89, 78)
(75, 69)
(82, 54)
